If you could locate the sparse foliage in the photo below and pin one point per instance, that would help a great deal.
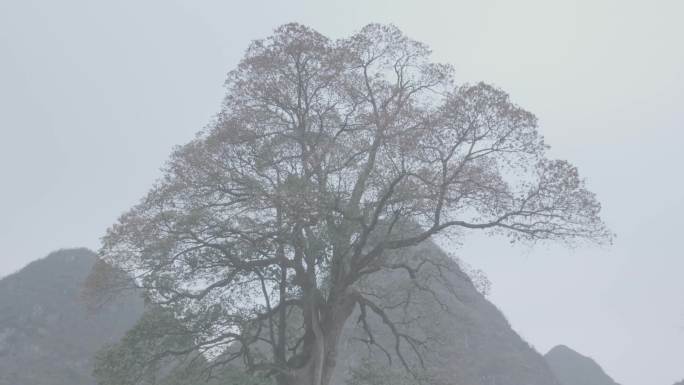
(326, 158)
(159, 350)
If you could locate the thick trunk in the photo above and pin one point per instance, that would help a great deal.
(320, 368)
(323, 359)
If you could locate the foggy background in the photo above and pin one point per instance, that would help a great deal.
(94, 95)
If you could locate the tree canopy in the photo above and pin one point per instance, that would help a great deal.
(327, 157)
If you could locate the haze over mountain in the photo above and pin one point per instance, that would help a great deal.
(572, 368)
(47, 337)
(472, 342)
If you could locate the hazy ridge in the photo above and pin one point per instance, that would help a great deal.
(48, 337)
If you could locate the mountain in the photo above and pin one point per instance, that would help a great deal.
(680, 383)
(572, 368)
(47, 337)
(472, 343)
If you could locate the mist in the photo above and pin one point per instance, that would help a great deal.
(94, 97)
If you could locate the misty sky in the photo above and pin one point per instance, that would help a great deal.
(94, 95)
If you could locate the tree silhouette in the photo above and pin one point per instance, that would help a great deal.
(327, 157)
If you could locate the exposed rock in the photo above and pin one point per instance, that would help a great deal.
(47, 337)
(472, 342)
(572, 368)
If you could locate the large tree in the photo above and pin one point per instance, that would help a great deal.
(327, 157)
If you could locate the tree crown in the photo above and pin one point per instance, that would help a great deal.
(326, 156)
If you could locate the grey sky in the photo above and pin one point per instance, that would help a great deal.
(94, 94)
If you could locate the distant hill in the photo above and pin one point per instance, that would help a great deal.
(572, 368)
(46, 335)
(48, 338)
(472, 343)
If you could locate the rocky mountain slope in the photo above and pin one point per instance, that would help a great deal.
(472, 342)
(572, 368)
(47, 337)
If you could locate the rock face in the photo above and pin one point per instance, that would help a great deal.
(572, 368)
(47, 337)
(472, 342)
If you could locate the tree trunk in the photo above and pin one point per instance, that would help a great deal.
(323, 359)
